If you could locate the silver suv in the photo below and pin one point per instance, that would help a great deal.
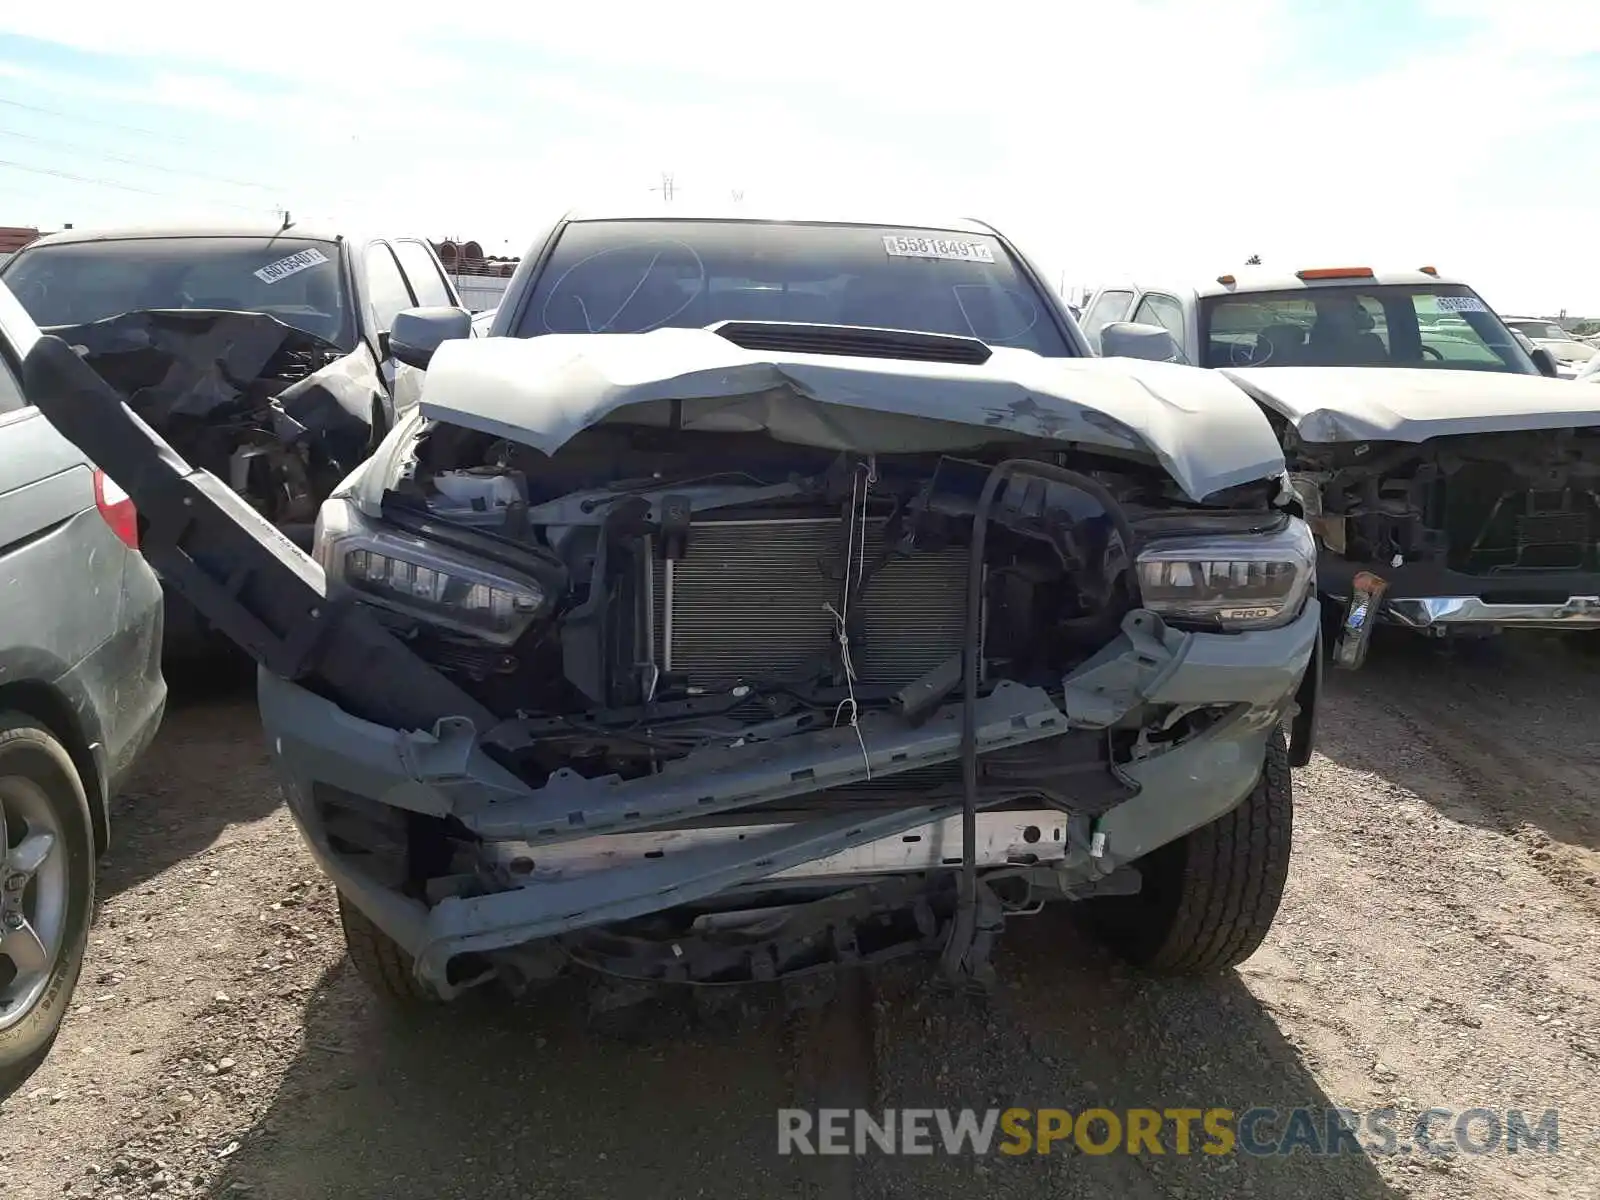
(81, 696)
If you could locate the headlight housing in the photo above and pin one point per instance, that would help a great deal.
(1232, 581)
(437, 585)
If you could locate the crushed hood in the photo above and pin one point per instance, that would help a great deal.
(542, 391)
(183, 369)
(1410, 404)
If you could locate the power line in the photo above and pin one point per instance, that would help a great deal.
(126, 187)
(112, 183)
(56, 112)
(133, 162)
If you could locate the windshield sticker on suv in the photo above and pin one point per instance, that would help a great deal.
(302, 260)
(956, 249)
(1461, 304)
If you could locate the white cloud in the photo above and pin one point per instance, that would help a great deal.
(1176, 135)
(1555, 29)
(831, 43)
(332, 43)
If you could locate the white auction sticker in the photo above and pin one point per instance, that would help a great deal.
(900, 245)
(301, 260)
(1461, 304)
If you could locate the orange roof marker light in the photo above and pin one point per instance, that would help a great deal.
(1226, 280)
(1335, 273)
(1434, 271)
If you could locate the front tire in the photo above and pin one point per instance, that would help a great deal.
(382, 963)
(1209, 898)
(47, 877)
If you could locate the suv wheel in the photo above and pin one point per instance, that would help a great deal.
(382, 963)
(46, 892)
(1208, 898)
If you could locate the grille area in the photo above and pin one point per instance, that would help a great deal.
(747, 600)
(1530, 531)
(1553, 539)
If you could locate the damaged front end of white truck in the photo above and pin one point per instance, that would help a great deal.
(728, 655)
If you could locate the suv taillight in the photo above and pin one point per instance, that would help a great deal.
(117, 509)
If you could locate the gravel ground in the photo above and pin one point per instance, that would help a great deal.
(1436, 947)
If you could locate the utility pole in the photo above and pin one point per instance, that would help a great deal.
(666, 188)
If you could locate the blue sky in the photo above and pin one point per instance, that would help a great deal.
(1142, 136)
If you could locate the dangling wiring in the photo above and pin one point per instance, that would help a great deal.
(861, 482)
(957, 961)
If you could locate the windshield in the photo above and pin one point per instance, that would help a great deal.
(1382, 325)
(293, 279)
(1540, 330)
(635, 276)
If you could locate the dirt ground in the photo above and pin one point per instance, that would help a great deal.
(1438, 947)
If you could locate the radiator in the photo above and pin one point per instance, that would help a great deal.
(748, 597)
(1536, 530)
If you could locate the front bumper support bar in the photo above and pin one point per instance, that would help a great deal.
(1031, 837)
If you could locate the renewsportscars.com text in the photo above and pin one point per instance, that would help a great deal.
(1179, 1131)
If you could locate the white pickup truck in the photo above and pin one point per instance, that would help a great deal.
(1570, 355)
(1449, 473)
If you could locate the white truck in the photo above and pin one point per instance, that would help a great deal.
(1450, 475)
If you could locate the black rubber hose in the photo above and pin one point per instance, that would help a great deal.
(964, 929)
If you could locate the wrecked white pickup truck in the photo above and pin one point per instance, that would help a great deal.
(1452, 480)
(261, 354)
(729, 654)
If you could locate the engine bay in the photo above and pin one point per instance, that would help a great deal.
(278, 413)
(695, 600)
(1497, 505)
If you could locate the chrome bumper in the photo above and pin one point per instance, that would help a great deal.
(1444, 612)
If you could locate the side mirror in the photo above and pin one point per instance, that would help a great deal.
(1544, 360)
(1128, 339)
(418, 332)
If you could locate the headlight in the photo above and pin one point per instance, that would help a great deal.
(1249, 581)
(437, 585)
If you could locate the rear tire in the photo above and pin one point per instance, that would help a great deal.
(382, 963)
(33, 755)
(1209, 898)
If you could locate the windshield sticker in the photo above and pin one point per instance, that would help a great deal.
(956, 249)
(1461, 304)
(302, 260)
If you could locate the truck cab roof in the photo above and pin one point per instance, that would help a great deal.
(244, 229)
(1247, 280)
(780, 215)
(1322, 316)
